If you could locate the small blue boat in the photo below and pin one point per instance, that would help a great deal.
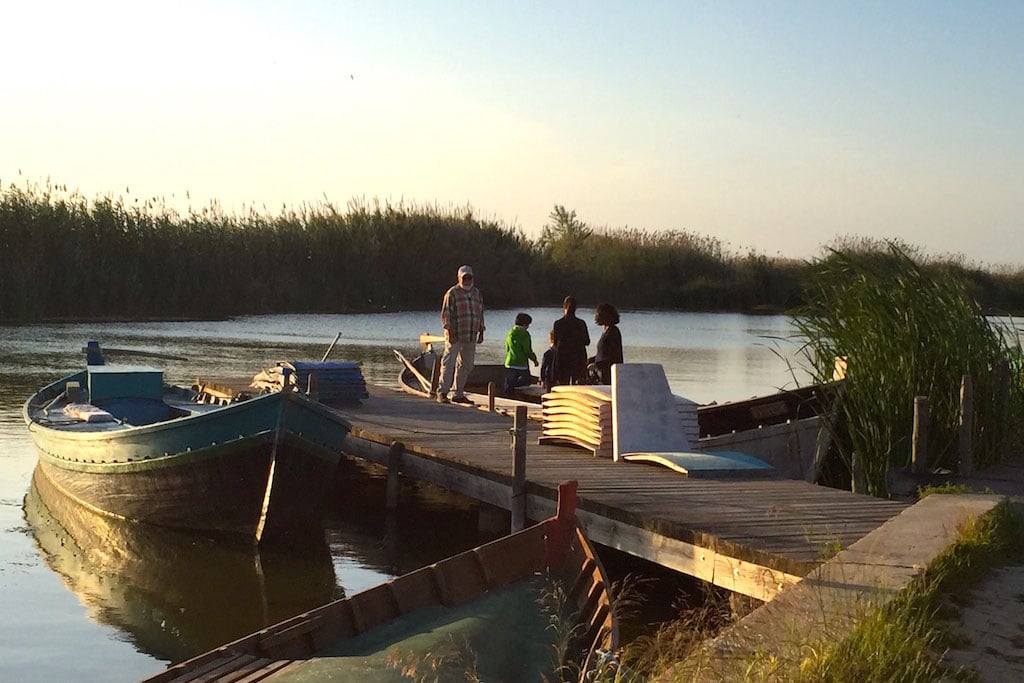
(119, 440)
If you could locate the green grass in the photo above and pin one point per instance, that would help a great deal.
(905, 641)
(947, 487)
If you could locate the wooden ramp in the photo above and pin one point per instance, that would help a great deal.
(753, 536)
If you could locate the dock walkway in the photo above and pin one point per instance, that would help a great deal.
(754, 536)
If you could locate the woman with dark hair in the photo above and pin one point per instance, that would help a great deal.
(571, 340)
(609, 346)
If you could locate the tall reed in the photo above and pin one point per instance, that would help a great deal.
(63, 255)
(906, 328)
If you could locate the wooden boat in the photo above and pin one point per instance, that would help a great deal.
(481, 602)
(119, 440)
(421, 375)
(166, 590)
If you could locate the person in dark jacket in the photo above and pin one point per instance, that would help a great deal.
(609, 346)
(571, 340)
(547, 364)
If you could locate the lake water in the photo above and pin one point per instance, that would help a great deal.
(86, 600)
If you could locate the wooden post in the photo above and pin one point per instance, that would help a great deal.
(391, 487)
(518, 502)
(490, 396)
(859, 483)
(965, 443)
(919, 448)
(826, 430)
(1002, 404)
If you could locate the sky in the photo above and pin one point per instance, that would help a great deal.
(774, 127)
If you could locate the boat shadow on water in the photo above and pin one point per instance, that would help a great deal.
(174, 593)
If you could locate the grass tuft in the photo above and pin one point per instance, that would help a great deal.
(905, 641)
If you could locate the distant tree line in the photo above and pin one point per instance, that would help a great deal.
(64, 256)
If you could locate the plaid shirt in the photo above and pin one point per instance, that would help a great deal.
(462, 313)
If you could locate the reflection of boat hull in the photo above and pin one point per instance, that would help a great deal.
(258, 467)
(319, 643)
(174, 593)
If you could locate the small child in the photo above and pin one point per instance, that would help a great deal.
(547, 365)
(518, 354)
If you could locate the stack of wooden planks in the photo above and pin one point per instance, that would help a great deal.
(579, 415)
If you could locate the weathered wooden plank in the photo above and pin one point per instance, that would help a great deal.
(753, 536)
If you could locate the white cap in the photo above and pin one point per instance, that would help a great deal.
(465, 270)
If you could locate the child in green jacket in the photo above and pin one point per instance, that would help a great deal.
(518, 354)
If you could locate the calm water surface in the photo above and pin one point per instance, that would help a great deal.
(87, 600)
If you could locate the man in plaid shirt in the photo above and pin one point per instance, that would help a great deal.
(462, 317)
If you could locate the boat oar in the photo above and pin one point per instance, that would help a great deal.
(331, 347)
(286, 389)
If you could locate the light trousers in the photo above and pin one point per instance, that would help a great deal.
(456, 363)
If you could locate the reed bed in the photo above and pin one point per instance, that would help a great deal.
(63, 255)
(908, 328)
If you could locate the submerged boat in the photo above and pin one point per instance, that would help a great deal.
(497, 612)
(119, 440)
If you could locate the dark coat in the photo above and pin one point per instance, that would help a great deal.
(547, 369)
(609, 352)
(571, 340)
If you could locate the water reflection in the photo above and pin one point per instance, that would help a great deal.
(367, 543)
(174, 594)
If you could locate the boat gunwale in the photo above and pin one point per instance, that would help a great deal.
(125, 432)
(558, 534)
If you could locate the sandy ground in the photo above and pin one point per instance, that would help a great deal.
(992, 626)
(991, 621)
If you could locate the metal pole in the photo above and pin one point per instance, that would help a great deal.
(312, 391)
(331, 347)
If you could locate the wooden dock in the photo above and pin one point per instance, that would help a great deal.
(753, 536)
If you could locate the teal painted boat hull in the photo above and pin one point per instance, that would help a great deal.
(258, 467)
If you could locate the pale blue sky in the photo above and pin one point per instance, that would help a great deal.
(773, 126)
